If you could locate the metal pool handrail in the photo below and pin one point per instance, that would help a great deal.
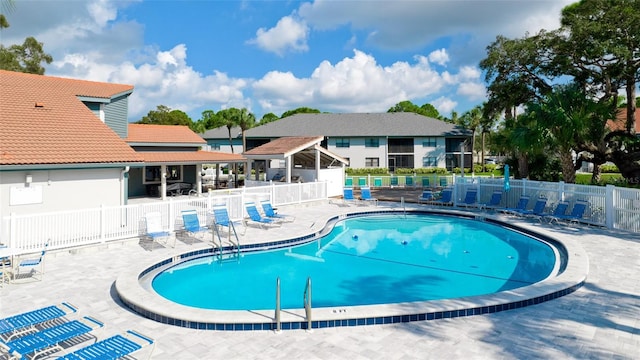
(307, 303)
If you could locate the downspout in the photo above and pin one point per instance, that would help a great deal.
(123, 193)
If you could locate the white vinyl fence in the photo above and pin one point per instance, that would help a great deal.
(99, 225)
(609, 206)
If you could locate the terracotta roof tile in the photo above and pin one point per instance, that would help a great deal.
(185, 157)
(284, 145)
(43, 122)
(621, 121)
(147, 133)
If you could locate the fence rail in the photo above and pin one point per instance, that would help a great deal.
(610, 206)
(65, 229)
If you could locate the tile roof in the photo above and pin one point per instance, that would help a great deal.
(162, 134)
(222, 132)
(401, 124)
(186, 157)
(43, 122)
(620, 123)
(284, 145)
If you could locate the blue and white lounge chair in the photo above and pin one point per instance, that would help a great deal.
(446, 197)
(270, 212)
(154, 229)
(538, 208)
(191, 224)
(16, 325)
(577, 213)
(559, 211)
(113, 348)
(426, 196)
(365, 195)
(221, 218)
(521, 206)
(34, 265)
(470, 198)
(494, 201)
(347, 195)
(49, 339)
(255, 217)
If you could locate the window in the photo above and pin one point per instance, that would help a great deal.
(372, 162)
(215, 146)
(429, 142)
(429, 161)
(400, 145)
(152, 173)
(372, 142)
(342, 142)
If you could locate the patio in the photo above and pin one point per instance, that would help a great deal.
(600, 320)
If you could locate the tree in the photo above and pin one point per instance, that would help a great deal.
(26, 58)
(605, 37)
(471, 120)
(407, 106)
(267, 118)
(300, 110)
(245, 121)
(163, 115)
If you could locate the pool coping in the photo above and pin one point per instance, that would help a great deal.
(155, 307)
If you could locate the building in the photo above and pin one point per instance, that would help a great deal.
(61, 145)
(386, 140)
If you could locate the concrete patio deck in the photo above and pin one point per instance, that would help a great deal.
(600, 320)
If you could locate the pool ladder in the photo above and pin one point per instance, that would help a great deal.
(232, 228)
(306, 300)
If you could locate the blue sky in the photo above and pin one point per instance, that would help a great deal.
(273, 56)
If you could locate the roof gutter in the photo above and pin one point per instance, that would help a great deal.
(23, 167)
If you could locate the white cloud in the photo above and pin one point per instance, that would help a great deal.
(354, 84)
(472, 90)
(444, 105)
(439, 57)
(102, 12)
(289, 34)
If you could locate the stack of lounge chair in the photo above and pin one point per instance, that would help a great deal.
(47, 331)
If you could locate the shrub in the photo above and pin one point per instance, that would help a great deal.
(366, 171)
(606, 168)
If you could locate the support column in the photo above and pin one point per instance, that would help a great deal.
(199, 179)
(163, 182)
(288, 165)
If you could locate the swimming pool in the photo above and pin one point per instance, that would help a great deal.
(366, 260)
(135, 291)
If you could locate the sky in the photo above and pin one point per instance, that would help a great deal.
(274, 56)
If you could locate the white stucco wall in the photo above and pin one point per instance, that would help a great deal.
(56, 190)
(437, 151)
(357, 152)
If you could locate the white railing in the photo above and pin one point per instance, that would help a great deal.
(65, 229)
(609, 206)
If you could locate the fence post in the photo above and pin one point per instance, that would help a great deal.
(171, 215)
(609, 203)
(12, 230)
(103, 222)
(561, 190)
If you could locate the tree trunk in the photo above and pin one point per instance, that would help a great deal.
(631, 104)
(523, 166)
(568, 169)
(596, 175)
(482, 157)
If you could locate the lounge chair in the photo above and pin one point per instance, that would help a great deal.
(446, 197)
(393, 181)
(49, 339)
(377, 182)
(538, 208)
(362, 182)
(191, 224)
(270, 212)
(34, 265)
(577, 213)
(16, 325)
(426, 182)
(444, 182)
(365, 195)
(112, 348)
(347, 195)
(558, 211)
(221, 219)
(520, 206)
(470, 198)
(426, 196)
(494, 201)
(348, 182)
(255, 217)
(154, 230)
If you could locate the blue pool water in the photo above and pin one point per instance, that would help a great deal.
(368, 260)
